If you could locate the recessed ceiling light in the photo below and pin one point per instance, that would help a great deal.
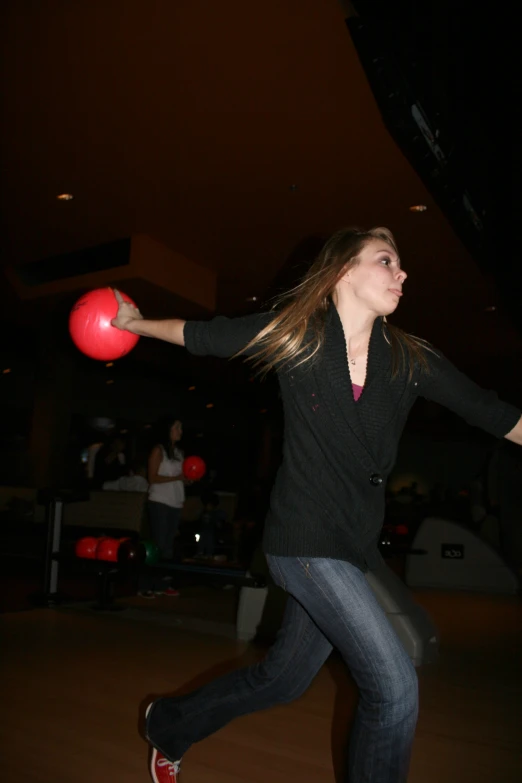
(418, 208)
(109, 364)
(65, 197)
(210, 405)
(251, 298)
(490, 309)
(7, 370)
(192, 388)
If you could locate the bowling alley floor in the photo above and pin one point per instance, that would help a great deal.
(74, 686)
(200, 608)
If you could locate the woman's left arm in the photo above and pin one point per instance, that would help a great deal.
(516, 433)
(479, 407)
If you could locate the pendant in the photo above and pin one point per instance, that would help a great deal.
(352, 361)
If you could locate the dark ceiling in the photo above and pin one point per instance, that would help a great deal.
(236, 134)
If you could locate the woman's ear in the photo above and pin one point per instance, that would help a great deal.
(344, 274)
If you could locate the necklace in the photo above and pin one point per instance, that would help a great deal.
(352, 361)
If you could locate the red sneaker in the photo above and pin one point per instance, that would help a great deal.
(170, 591)
(163, 770)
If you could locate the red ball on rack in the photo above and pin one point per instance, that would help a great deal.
(108, 550)
(86, 547)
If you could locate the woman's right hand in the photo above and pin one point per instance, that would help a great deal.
(127, 314)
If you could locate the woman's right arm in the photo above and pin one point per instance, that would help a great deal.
(153, 467)
(220, 336)
(170, 330)
(130, 319)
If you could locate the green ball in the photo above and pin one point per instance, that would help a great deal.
(151, 552)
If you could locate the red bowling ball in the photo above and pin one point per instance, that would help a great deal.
(91, 329)
(108, 550)
(194, 468)
(86, 548)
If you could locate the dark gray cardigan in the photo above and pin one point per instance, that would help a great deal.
(328, 497)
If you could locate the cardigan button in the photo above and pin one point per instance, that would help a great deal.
(376, 479)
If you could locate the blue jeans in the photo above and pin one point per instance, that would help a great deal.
(163, 524)
(330, 605)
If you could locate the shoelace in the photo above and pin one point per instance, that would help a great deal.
(173, 766)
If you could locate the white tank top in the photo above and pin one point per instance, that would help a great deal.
(171, 493)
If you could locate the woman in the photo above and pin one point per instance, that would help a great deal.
(166, 496)
(348, 380)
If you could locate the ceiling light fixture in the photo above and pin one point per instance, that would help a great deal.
(418, 208)
(65, 197)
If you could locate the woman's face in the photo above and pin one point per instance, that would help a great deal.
(376, 281)
(176, 431)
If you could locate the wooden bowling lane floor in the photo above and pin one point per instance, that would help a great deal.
(73, 685)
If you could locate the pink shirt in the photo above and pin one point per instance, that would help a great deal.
(357, 391)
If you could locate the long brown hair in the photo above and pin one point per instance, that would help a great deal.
(296, 332)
